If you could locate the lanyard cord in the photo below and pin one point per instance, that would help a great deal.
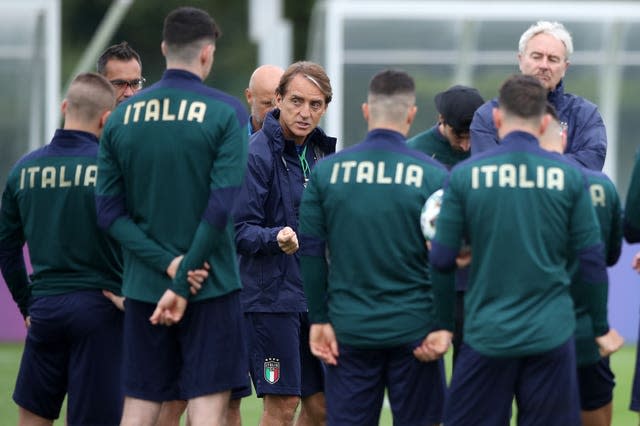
(306, 170)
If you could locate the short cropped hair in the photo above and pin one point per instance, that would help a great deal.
(523, 96)
(186, 25)
(119, 52)
(555, 29)
(312, 72)
(89, 96)
(392, 93)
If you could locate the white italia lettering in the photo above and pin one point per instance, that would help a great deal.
(91, 175)
(166, 115)
(414, 175)
(32, 175)
(489, 171)
(381, 178)
(78, 175)
(334, 173)
(181, 109)
(56, 177)
(555, 178)
(196, 112)
(348, 166)
(598, 196)
(475, 177)
(512, 176)
(523, 182)
(63, 183)
(48, 178)
(399, 173)
(152, 111)
(379, 173)
(365, 172)
(136, 110)
(165, 110)
(127, 112)
(507, 176)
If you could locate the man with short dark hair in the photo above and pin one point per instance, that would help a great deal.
(74, 338)
(121, 65)
(365, 275)
(172, 223)
(524, 211)
(448, 141)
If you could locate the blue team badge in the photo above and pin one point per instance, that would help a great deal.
(272, 370)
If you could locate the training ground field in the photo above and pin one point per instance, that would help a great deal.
(622, 363)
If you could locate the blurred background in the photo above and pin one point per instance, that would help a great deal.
(44, 43)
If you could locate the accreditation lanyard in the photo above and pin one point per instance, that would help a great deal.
(304, 164)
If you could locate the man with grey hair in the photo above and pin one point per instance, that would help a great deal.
(544, 51)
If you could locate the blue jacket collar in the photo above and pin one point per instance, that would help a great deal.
(521, 138)
(272, 129)
(556, 96)
(180, 74)
(387, 135)
(73, 137)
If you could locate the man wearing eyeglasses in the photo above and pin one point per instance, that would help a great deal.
(121, 65)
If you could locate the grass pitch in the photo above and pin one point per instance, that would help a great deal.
(622, 364)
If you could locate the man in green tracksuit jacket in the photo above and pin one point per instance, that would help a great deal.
(523, 211)
(370, 302)
(171, 161)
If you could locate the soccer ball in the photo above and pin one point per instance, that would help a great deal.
(429, 214)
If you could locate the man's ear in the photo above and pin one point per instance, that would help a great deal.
(544, 123)
(412, 114)
(207, 54)
(497, 117)
(103, 118)
(365, 111)
(63, 106)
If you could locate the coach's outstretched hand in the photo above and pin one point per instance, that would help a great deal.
(434, 346)
(609, 343)
(323, 343)
(287, 240)
(169, 310)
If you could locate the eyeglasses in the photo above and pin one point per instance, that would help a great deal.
(135, 84)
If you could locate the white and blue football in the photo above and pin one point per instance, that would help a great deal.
(429, 214)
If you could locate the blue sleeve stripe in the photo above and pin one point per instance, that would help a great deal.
(592, 264)
(220, 206)
(442, 257)
(109, 208)
(11, 258)
(311, 246)
(631, 233)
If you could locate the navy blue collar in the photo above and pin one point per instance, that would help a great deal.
(386, 134)
(180, 74)
(520, 137)
(72, 137)
(556, 95)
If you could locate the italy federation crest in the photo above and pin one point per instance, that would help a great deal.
(272, 370)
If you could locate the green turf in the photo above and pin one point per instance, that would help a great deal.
(622, 364)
